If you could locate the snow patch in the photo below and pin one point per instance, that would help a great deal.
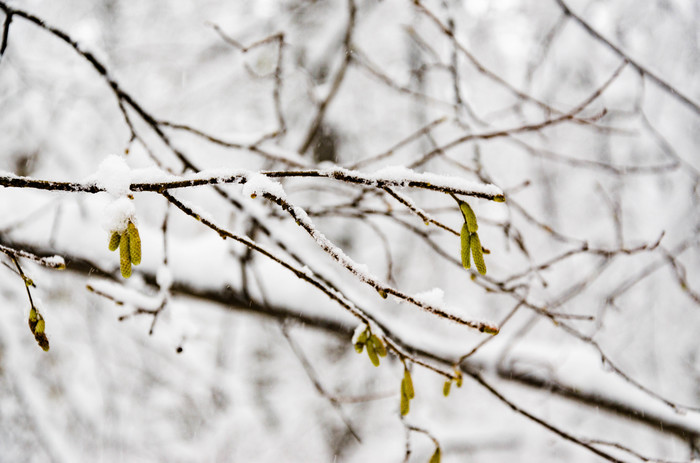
(358, 331)
(434, 297)
(113, 175)
(258, 184)
(118, 214)
(54, 261)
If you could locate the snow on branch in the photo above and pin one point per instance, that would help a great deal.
(155, 180)
(56, 262)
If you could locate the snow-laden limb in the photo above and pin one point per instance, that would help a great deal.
(156, 180)
(262, 183)
(401, 176)
(301, 272)
(361, 271)
(56, 262)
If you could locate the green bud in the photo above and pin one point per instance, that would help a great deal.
(408, 383)
(372, 354)
(459, 380)
(382, 293)
(488, 329)
(436, 456)
(40, 326)
(478, 254)
(378, 345)
(33, 317)
(465, 237)
(499, 198)
(114, 241)
(405, 401)
(446, 388)
(364, 336)
(359, 347)
(469, 216)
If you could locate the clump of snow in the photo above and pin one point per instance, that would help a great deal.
(258, 184)
(54, 262)
(361, 271)
(434, 297)
(307, 271)
(397, 174)
(113, 175)
(118, 214)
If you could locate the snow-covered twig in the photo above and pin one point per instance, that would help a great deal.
(56, 262)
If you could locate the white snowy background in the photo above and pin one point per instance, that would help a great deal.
(613, 320)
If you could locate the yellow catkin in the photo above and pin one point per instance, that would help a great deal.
(114, 241)
(410, 392)
(466, 251)
(125, 256)
(436, 456)
(478, 254)
(405, 404)
(40, 326)
(469, 217)
(134, 244)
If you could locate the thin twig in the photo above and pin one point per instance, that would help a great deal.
(337, 81)
(665, 86)
(313, 376)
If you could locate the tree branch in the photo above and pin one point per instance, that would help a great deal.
(233, 300)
